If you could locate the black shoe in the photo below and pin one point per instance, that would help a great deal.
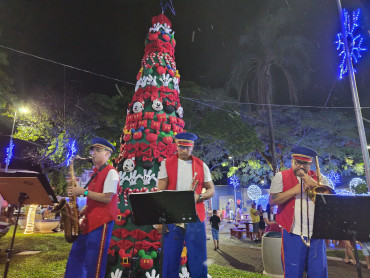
(215, 249)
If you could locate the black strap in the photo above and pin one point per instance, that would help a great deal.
(93, 176)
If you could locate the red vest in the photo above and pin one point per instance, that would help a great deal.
(98, 213)
(285, 215)
(197, 166)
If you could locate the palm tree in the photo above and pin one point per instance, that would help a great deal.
(269, 51)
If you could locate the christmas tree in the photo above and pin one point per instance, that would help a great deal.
(153, 117)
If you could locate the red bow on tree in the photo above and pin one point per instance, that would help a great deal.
(145, 158)
(144, 153)
(170, 103)
(154, 97)
(147, 244)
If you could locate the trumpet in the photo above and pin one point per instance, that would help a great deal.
(311, 194)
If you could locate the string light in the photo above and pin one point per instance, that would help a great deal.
(254, 192)
(72, 149)
(30, 220)
(9, 152)
(354, 41)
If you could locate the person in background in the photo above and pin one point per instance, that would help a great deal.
(238, 214)
(228, 212)
(261, 225)
(269, 218)
(215, 221)
(255, 215)
(366, 252)
(349, 257)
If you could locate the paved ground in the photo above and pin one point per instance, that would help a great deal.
(246, 255)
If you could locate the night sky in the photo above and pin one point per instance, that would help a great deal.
(107, 37)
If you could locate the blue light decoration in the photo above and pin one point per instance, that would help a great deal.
(263, 201)
(333, 178)
(72, 149)
(234, 181)
(81, 202)
(343, 192)
(9, 152)
(354, 41)
(254, 192)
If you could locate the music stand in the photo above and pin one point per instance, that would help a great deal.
(339, 217)
(166, 207)
(21, 188)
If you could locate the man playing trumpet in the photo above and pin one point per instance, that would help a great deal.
(286, 192)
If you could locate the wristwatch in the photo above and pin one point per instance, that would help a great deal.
(86, 192)
(200, 199)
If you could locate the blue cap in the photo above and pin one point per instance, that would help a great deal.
(185, 139)
(303, 153)
(102, 143)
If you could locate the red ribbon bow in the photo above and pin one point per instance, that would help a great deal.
(171, 103)
(145, 158)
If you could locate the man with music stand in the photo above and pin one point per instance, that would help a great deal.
(186, 172)
(295, 215)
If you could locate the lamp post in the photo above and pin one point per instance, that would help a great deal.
(11, 144)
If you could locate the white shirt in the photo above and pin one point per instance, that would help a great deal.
(111, 181)
(184, 181)
(277, 187)
(265, 215)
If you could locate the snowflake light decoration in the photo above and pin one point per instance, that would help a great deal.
(9, 152)
(254, 192)
(72, 149)
(354, 41)
(334, 177)
(234, 181)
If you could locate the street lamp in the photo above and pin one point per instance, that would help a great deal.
(9, 150)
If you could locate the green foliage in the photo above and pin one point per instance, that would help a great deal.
(58, 182)
(229, 129)
(361, 188)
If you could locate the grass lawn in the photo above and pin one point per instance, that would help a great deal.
(51, 261)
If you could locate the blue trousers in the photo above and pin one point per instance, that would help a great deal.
(88, 256)
(297, 257)
(195, 241)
